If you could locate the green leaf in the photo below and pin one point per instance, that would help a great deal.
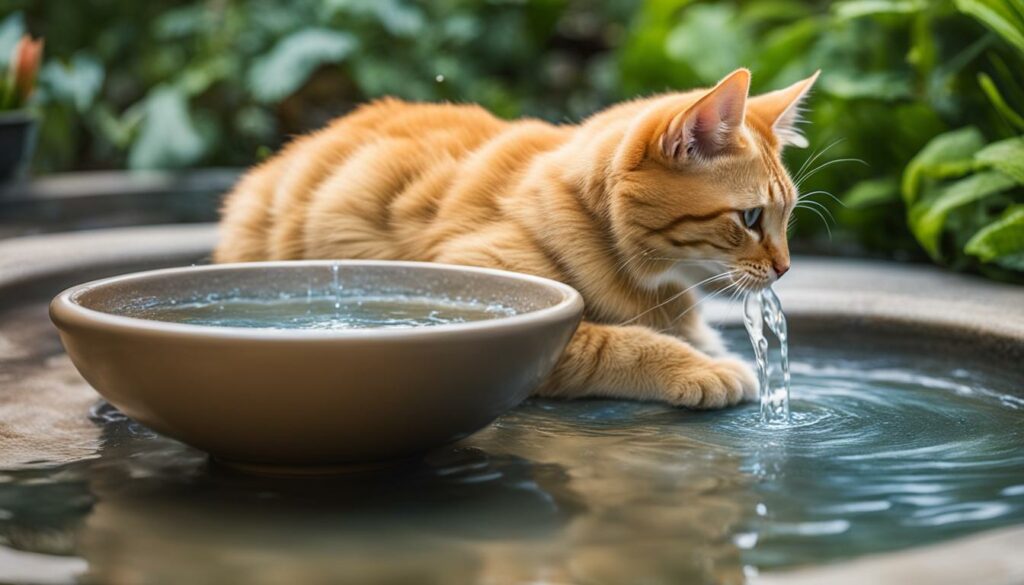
(859, 8)
(1002, 241)
(775, 11)
(944, 156)
(11, 30)
(709, 39)
(998, 15)
(399, 18)
(1004, 109)
(77, 82)
(289, 64)
(880, 85)
(784, 46)
(873, 192)
(203, 74)
(1006, 156)
(927, 218)
(168, 137)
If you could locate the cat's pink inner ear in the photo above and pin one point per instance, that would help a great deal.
(709, 126)
(782, 109)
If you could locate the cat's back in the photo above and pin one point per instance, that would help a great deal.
(384, 156)
(420, 122)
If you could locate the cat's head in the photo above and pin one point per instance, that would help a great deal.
(700, 176)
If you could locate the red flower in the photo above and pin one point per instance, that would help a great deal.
(25, 64)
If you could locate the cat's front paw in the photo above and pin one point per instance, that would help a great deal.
(747, 376)
(719, 383)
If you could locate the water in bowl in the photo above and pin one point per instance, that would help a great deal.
(324, 312)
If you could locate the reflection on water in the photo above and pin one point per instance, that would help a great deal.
(883, 452)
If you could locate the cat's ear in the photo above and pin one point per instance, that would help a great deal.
(781, 109)
(709, 126)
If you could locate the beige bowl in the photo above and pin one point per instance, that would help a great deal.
(280, 399)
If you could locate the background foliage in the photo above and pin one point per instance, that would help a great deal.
(928, 94)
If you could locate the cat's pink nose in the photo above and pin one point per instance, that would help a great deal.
(780, 268)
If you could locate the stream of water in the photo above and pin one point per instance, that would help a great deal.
(759, 309)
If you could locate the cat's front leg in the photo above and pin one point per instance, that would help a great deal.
(638, 363)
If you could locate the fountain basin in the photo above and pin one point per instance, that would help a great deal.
(301, 399)
(584, 491)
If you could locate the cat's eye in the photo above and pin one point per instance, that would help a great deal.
(751, 217)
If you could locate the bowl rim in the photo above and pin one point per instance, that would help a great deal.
(65, 311)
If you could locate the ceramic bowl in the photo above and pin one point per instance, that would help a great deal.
(309, 400)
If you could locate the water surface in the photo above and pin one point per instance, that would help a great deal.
(885, 450)
(323, 312)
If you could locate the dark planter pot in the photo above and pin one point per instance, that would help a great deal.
(17, 141)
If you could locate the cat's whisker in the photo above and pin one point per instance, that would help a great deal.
(731, 302)
(823, 220)
(735, 294)
(685, 260)
(698, 303)
(807, 196)
(814, 156)
(824, 165)
(639, 258)
(681, 293)
(623, 264)
(810, 204)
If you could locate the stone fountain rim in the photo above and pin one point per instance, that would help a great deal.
(859, 292)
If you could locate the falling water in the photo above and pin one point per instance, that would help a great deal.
(760, 308)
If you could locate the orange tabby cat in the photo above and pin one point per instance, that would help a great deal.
(617, 206)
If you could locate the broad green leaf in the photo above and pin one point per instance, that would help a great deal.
(780, 11)
(709, 39)
(873, 192)
(1004, 109)
(289, 64)
(398, 17)
(1006, 156)
(999, 16)
(782, 47)
(183, 22)
(927, 218)
(11, 30)
(945, 153)
(881, 85)
(201, 75)
(77, 82)
(859, 8)
(168, 137)
(1011, 261)
(1001, 241)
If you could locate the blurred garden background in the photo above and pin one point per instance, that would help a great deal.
(927, 94)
